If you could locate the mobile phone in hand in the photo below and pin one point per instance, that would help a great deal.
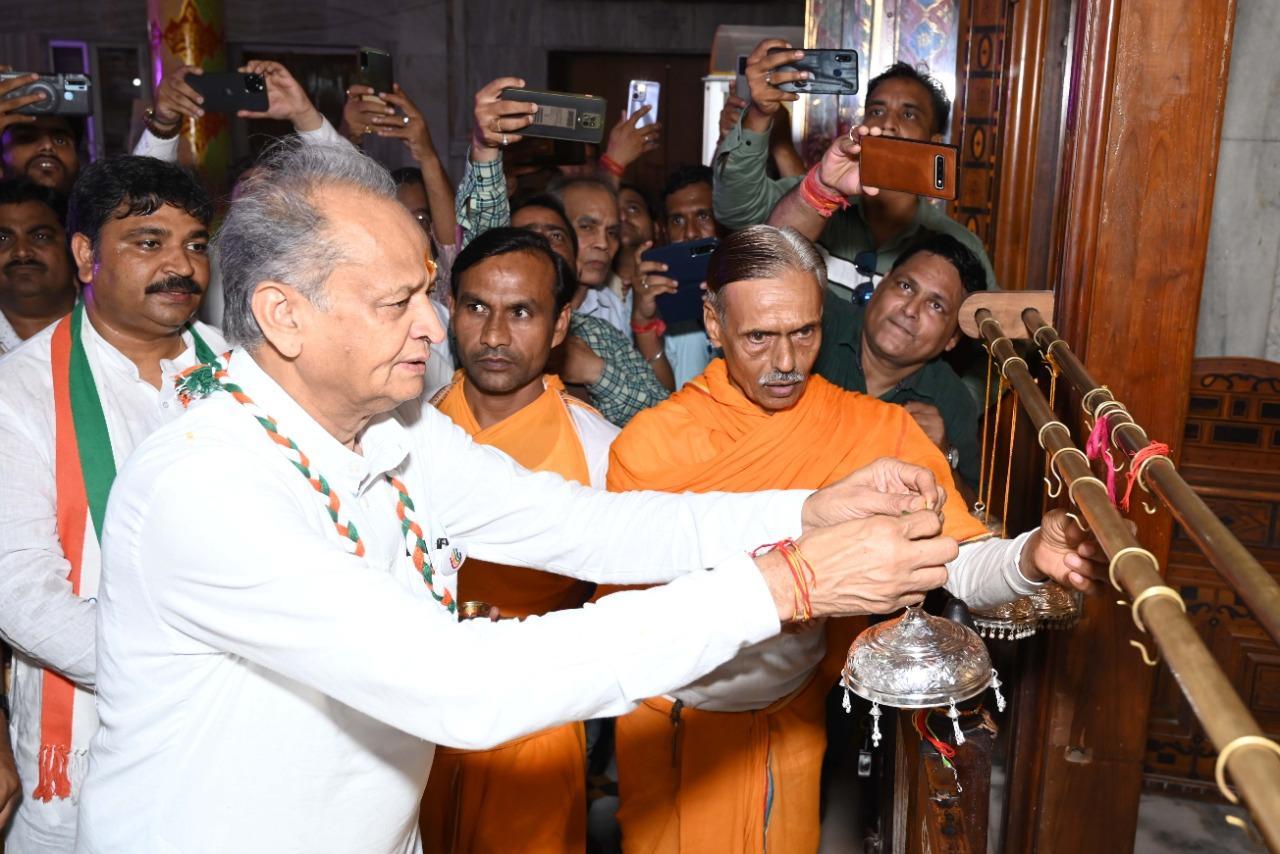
(641, 94)
(909, 165)
(230, 91)
(562, 115)
(686, 263)
(375, 71)
(835, 72)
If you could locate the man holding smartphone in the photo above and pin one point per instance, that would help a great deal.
(901, 102)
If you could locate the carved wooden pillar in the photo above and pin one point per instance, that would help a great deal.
(190, 32)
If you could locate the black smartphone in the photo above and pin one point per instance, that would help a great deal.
(230, 91)
(687, 264)
(375, 69)
(562, 115)
(835, 72)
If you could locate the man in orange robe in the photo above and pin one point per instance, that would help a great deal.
(732, 762)
(511, 307)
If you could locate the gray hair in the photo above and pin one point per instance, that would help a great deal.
(275, 230)
(761, 252)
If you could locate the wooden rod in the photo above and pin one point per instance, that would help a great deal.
(1254, 770)
(1242, 571)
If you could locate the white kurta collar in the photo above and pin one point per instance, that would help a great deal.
(384, 445)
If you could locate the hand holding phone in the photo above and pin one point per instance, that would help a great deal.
(686, 264)
(562, 115)
(286, 99)
(375, 70)
(830, 72)
(641, 94)
(230, 91)
(499, 121)
(909, 166)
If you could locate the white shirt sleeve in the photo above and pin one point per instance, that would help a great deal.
(150, 145)
(985, 574)
(257, 580)
(506, 514)
(39, 614)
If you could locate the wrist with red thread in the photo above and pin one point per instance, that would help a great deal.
(656, 326)
(611, 166)
(818, 197)
(803, 577)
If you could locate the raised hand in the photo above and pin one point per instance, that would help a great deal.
(498, 122)
(627, 140)
(839, 169)
(9, 105)
(361, 112)
(175, 99)
(650, 285)
(285, 97)
(764, 79)
(410, 127)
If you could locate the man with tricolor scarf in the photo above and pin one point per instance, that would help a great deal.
(74, 402)
(512, 298)
(731, 763)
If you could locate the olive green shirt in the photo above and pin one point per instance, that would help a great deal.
(840, 362)
(743, 194)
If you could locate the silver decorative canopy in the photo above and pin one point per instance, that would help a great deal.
(918, 661)
(1011, 621)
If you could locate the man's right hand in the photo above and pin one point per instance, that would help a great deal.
(651, 285)
(497, 121)
(763, 78)
(175, 99)
(866, 566)
(8, 105)
(840, 169)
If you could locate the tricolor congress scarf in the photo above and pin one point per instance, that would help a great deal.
(84, 469)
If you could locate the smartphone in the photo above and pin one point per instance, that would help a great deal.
(741, 87)
(230, 91)
(835, 72)
(562, 115)
(912, 166)
(687, 264)
(375, 70)
(641, 94)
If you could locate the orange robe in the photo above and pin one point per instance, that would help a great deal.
(529, 794)
(739, 782)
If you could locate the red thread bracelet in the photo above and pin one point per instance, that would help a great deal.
(611, 166)
(655, 325)
(818, 197)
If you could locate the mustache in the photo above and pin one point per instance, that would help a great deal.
(492, 353)
(25, 262)
(175, 285)
(781, 378)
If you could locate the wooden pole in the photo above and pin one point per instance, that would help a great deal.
(1158, 610)
(1254, 585)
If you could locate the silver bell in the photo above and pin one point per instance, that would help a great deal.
(1056, 607)
(1011, 621)
(917, 661)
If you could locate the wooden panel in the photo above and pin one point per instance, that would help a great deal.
(1244, 478)
(1131, 236)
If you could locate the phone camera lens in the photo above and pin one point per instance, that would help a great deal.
(837, 73)
(843, 57)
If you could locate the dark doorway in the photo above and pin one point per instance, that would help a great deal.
(608, 75)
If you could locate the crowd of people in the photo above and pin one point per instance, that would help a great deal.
(401, 517)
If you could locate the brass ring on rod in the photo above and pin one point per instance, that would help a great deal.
(1053, 460)
(1238, 743)
(1142, 443)
(1047, 425)
(1088, 395)
(985, 321)
(1057, 342)
(1153, 591)
(1045, 328)
(1071, 489)
(1107, 405)
(1143, 467)
(1004, 368)
(1128, 550)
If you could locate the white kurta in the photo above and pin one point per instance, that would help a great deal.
(261, 689)
(44, 622)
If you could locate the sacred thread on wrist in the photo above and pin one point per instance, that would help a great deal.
(803, 577)
(822, 200)
(611, 166)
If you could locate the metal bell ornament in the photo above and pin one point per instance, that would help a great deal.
(918, 661)
(1056, 607)
(1011, 621)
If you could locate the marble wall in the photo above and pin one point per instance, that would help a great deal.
(1240, 304)
(444, 49)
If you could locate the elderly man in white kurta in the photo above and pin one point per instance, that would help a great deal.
(278, 645)
(75, 400)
